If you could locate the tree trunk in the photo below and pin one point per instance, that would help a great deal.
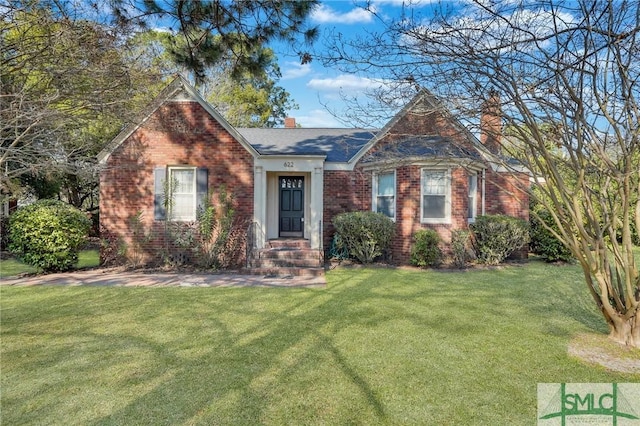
(626, 331)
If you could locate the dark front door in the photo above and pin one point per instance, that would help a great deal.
(291, 206)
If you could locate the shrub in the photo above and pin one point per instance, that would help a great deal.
(425, 250)
(495, 237)
(543, 242)
(48, 234)
(365, 235)
(112, 248)
(338, 250)
(220, 238)
(180, 240)
(140, 237)
(460, 247)
(4, 234)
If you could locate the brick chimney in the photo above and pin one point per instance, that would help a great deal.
(491, 123)
(289, 123)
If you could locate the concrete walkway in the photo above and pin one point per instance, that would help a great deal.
(120, 278)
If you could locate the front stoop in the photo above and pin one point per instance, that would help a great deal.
(287, 257)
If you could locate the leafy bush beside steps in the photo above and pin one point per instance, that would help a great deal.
(365, 235)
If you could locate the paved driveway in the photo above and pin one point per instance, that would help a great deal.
(120, 278)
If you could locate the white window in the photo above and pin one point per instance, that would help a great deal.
(384, 194)
(473, 197)
(436, 196)
(183, 193)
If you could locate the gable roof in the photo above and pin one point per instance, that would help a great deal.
(426, 144)
(178, 90)
(339, 145)
(414, 147)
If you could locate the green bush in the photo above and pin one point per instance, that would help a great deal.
(543, 242)
(338, 250)
(460, 247)
(221, 237)
(48, 234)
(365, 235)
(425, 250)
(495, 237)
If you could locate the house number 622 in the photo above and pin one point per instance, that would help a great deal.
(288, 163)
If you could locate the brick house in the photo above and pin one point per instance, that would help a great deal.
(423, 169)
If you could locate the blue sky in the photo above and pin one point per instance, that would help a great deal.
(316, 88)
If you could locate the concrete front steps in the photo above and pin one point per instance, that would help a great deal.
(287, 257)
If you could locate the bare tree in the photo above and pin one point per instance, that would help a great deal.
(63, 85)
(565, 77)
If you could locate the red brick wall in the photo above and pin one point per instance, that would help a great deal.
(344, 191)
(178, 133)
(504, 191)
(507, 193)
(351, 191)
(408, 220)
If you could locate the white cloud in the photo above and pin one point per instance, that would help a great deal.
(344, 83)
(517, 30)
(323, 14)
(295, 70)
(319, 118)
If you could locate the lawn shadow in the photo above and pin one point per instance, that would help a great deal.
(237, 367)
(262, 355)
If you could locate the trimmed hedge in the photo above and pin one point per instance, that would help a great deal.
(48, 234)
(365, 235)
(426, 248)
(495, 237)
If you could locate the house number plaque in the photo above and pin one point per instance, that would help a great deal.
(288, 164)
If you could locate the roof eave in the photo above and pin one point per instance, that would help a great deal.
(471, 163)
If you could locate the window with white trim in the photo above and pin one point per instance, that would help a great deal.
(183, 193)
(473, 197)
(435, 204)
(384, 193)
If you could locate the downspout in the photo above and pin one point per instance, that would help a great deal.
(484, 176)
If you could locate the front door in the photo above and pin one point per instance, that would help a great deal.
(291, 206)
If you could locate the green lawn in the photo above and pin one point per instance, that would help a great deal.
(377, 346)
(11, 267)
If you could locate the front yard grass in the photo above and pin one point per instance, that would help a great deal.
(377, 346)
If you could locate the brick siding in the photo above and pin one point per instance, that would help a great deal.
(178, 133)
(184, 133)
(506, 193)
(344, 191)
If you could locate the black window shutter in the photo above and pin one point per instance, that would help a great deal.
(159, 177)
(202, 189)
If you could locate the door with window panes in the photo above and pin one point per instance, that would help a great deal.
(291, 206)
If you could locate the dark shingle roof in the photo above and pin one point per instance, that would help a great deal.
(339, 145)
(432, 146)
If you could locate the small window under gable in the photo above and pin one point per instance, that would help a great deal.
(435, 205)
(384, 193)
